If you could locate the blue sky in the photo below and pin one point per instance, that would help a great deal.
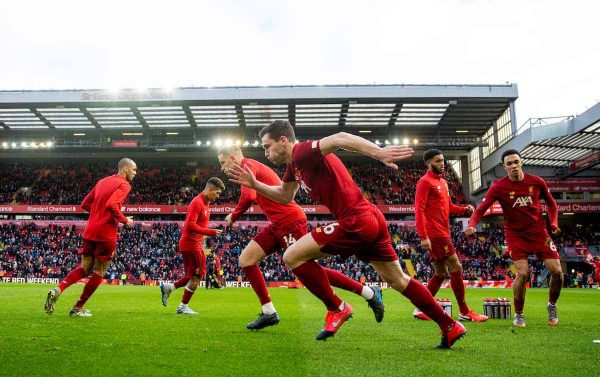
(549, 48)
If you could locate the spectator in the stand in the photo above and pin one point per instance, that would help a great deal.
(174, 182)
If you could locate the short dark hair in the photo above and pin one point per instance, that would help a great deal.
(508, 152)
(430, 154)
(277, 129)
(215, 182)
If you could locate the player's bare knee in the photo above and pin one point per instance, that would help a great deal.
(194, 282)
(556, 275)
(455, 267)
(441, 274)
(246, 260)
(88, 269)
(289, 259)
(523, 274)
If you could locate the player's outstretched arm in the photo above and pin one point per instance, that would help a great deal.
(388, 155)
(281, 194)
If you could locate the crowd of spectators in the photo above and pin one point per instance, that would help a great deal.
(51, 251)
(173, 182)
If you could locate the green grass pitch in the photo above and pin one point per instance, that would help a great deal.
(132, 334)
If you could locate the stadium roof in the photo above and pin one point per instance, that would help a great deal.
(429, 113)
(569, 143)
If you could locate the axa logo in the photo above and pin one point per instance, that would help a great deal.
(523, 201)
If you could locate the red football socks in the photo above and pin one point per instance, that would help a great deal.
(187, 296)
(257, 281)
(458, 286)
(339, 280)
(73, 277)
(89, 289)
(519, 305)
(181, 282)
(313, 277)
(422, 299)
(434, 284)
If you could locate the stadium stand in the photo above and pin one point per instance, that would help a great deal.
(50, 251)
(176, 183)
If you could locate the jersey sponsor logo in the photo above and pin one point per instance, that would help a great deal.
(523, 201)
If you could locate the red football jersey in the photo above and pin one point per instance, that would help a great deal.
(433, 207)
(104, 205)
(326, 180)
(196, 222)
(278, 214)
(520, 203)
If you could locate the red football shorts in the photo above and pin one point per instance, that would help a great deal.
(522, 245)
(441, 248)
(101, 250)
(366, 236)
(194, 262)
(272, 237)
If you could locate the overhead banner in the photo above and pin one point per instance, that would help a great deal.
(151, 209)
(589, 160)
(574, 185)
(125, 143)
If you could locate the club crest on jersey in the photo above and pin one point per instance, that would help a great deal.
(530, 190)
(511, 194)
(523, 201)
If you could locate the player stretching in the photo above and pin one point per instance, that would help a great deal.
(360, 230)
(433, 208)
(288, 223)
(190, 245)
(519, 195)
(99, 237)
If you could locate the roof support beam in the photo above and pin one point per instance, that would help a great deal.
(90, 117)
(394, 115)
(41, 117)
(292, 114)
(239, 112)
(343, 114)
(189, 116)
(139, 116)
